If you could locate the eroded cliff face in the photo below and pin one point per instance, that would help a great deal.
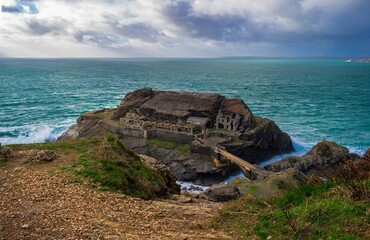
(262, 142)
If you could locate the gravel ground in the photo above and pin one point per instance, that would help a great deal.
(39, 201)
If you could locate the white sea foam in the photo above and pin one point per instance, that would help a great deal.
(238, 175)
(300, 149)
(360, 152)
(191, 187)
(30, 134)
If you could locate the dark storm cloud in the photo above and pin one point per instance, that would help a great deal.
(142, 31)
(226, 28)
(315, 25)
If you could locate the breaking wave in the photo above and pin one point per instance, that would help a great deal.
(30, 134)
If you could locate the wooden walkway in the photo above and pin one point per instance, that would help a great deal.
(251, 171)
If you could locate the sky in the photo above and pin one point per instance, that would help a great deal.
(184, 28)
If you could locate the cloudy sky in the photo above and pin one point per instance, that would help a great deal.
(184, 28)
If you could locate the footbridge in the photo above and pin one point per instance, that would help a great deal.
(251, 171)
(222, 158)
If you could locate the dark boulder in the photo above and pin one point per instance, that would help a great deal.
(321, 155)
(221, 193)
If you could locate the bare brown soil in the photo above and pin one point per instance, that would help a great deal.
(39, 201)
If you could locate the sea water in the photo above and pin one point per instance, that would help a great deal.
(310, 99)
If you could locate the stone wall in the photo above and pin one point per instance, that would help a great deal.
(132, 132)
(196, 147)
(171, 136)
(156, 133)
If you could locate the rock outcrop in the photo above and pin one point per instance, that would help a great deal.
(276, 184)
(262, 142)
(169, 178)
(88, 125)
(197, 168)
(321, 155)
(221, 193)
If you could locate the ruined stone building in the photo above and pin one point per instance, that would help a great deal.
(182, 111)
(227, 121)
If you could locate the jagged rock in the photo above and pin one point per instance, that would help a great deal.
(195, 167)
(170, 178)
(221, 193)
(71, 133)
(87, 126)
(322, 154)
(43, 156)
(262, 142)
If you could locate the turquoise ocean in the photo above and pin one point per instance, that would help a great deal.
(311, 99)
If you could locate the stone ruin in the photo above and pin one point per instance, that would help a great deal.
(227, 121)
(136, 121)
(183, 111)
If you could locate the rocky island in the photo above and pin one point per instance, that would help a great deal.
(200, 137)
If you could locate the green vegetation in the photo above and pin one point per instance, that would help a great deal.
(183, 149)
(330, 210)
(107, 164)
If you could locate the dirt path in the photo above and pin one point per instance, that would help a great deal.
(38, 201)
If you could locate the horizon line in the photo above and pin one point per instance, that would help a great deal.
(222, 57)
